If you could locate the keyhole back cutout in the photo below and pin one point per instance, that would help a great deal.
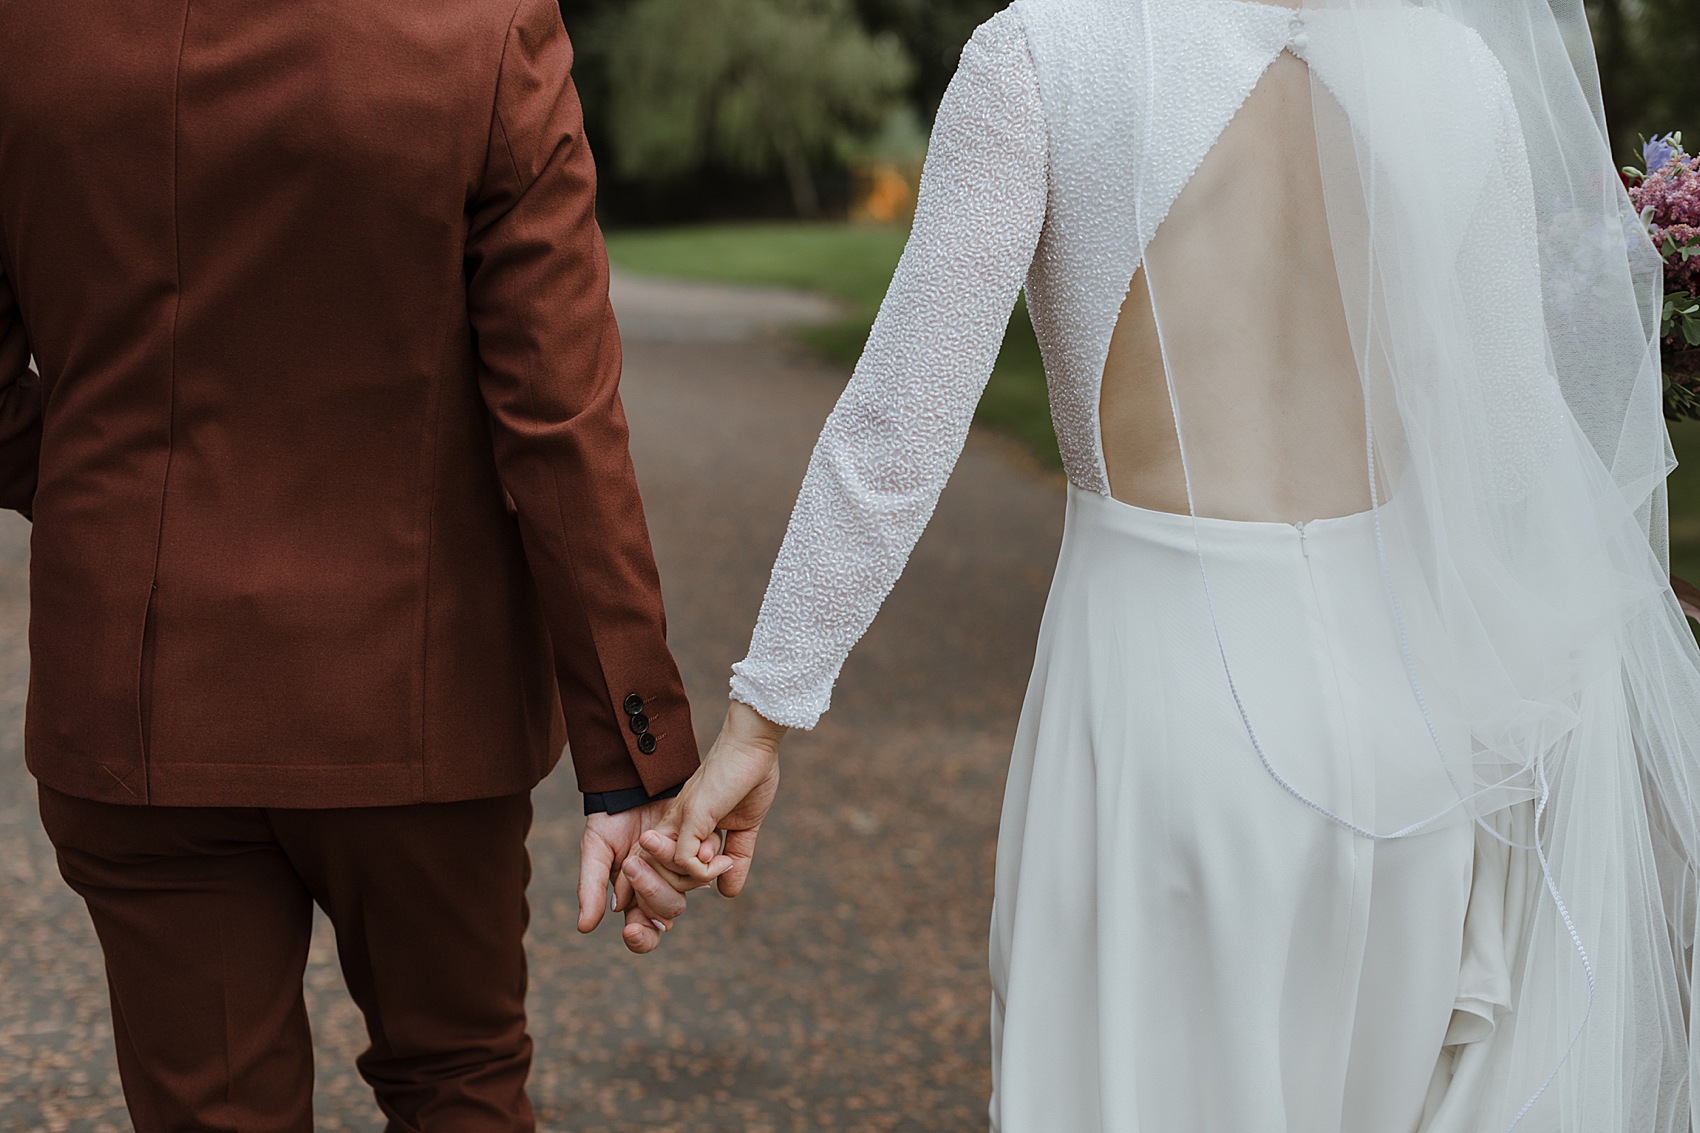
(1239, 298)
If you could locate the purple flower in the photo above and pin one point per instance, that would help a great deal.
(1660, 152)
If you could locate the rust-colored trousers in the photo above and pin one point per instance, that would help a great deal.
(204, 916)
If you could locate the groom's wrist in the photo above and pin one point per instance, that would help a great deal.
(616, 802)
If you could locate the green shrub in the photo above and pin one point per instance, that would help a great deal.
(754, 85)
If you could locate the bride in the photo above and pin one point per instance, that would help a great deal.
(1356, 785)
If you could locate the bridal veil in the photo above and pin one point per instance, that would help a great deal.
(1502, 300)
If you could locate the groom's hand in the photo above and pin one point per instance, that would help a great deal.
(732, 792)
(651, 896)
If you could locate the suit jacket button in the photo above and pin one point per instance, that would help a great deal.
(634, 704)
(640, 724)
(646, 744)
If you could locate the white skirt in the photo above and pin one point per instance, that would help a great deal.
(1178, 944)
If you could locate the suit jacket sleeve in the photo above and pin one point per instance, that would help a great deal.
(549, 356)
(20, 407)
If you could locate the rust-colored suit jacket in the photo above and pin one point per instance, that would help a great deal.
(328, 469)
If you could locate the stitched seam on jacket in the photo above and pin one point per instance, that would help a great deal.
(578, 591)
(533, 398)
(434, 435)
(497, 123)
(171, 384)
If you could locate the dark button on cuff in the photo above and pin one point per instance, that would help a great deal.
(646, 744)
(634, 704)
(640, 724)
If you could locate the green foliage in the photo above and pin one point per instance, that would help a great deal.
(933, 32)
(1670, 61)
(1681, 324)
(1684, 487)
(755, 85)
(1682, 317)
(1682, 310)
(1649, 55)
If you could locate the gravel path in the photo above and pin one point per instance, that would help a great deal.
(846, 990)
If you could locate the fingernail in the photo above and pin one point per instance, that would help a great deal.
(661, 927)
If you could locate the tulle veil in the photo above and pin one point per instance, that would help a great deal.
(1503, 299)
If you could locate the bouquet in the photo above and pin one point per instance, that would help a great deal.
(1667, 193)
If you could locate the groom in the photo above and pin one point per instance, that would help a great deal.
(336, 536)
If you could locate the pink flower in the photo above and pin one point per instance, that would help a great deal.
(1670, 200)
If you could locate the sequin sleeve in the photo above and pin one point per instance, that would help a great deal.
(897, 431)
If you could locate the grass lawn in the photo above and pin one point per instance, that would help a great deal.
(853, 263)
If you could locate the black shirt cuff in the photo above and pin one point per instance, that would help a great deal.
(614, 802)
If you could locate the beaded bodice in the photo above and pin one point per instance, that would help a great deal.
(1069, 131)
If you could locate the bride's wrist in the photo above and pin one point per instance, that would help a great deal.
(746, 725)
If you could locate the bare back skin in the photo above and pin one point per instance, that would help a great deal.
(1254, 331)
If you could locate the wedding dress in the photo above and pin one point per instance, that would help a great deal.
(1356, 783)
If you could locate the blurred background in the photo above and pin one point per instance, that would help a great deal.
(780, 141)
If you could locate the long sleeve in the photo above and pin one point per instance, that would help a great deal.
(549, 355)
(894, 437)
(20, 407)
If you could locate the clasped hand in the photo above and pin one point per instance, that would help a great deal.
(657, 853)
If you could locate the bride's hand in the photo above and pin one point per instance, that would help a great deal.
(651, 896)
(731, 791)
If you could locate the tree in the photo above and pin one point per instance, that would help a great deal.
(756, 85)
(1670, 66)
(1615, 48)
(1649, 53)
(933, 32)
